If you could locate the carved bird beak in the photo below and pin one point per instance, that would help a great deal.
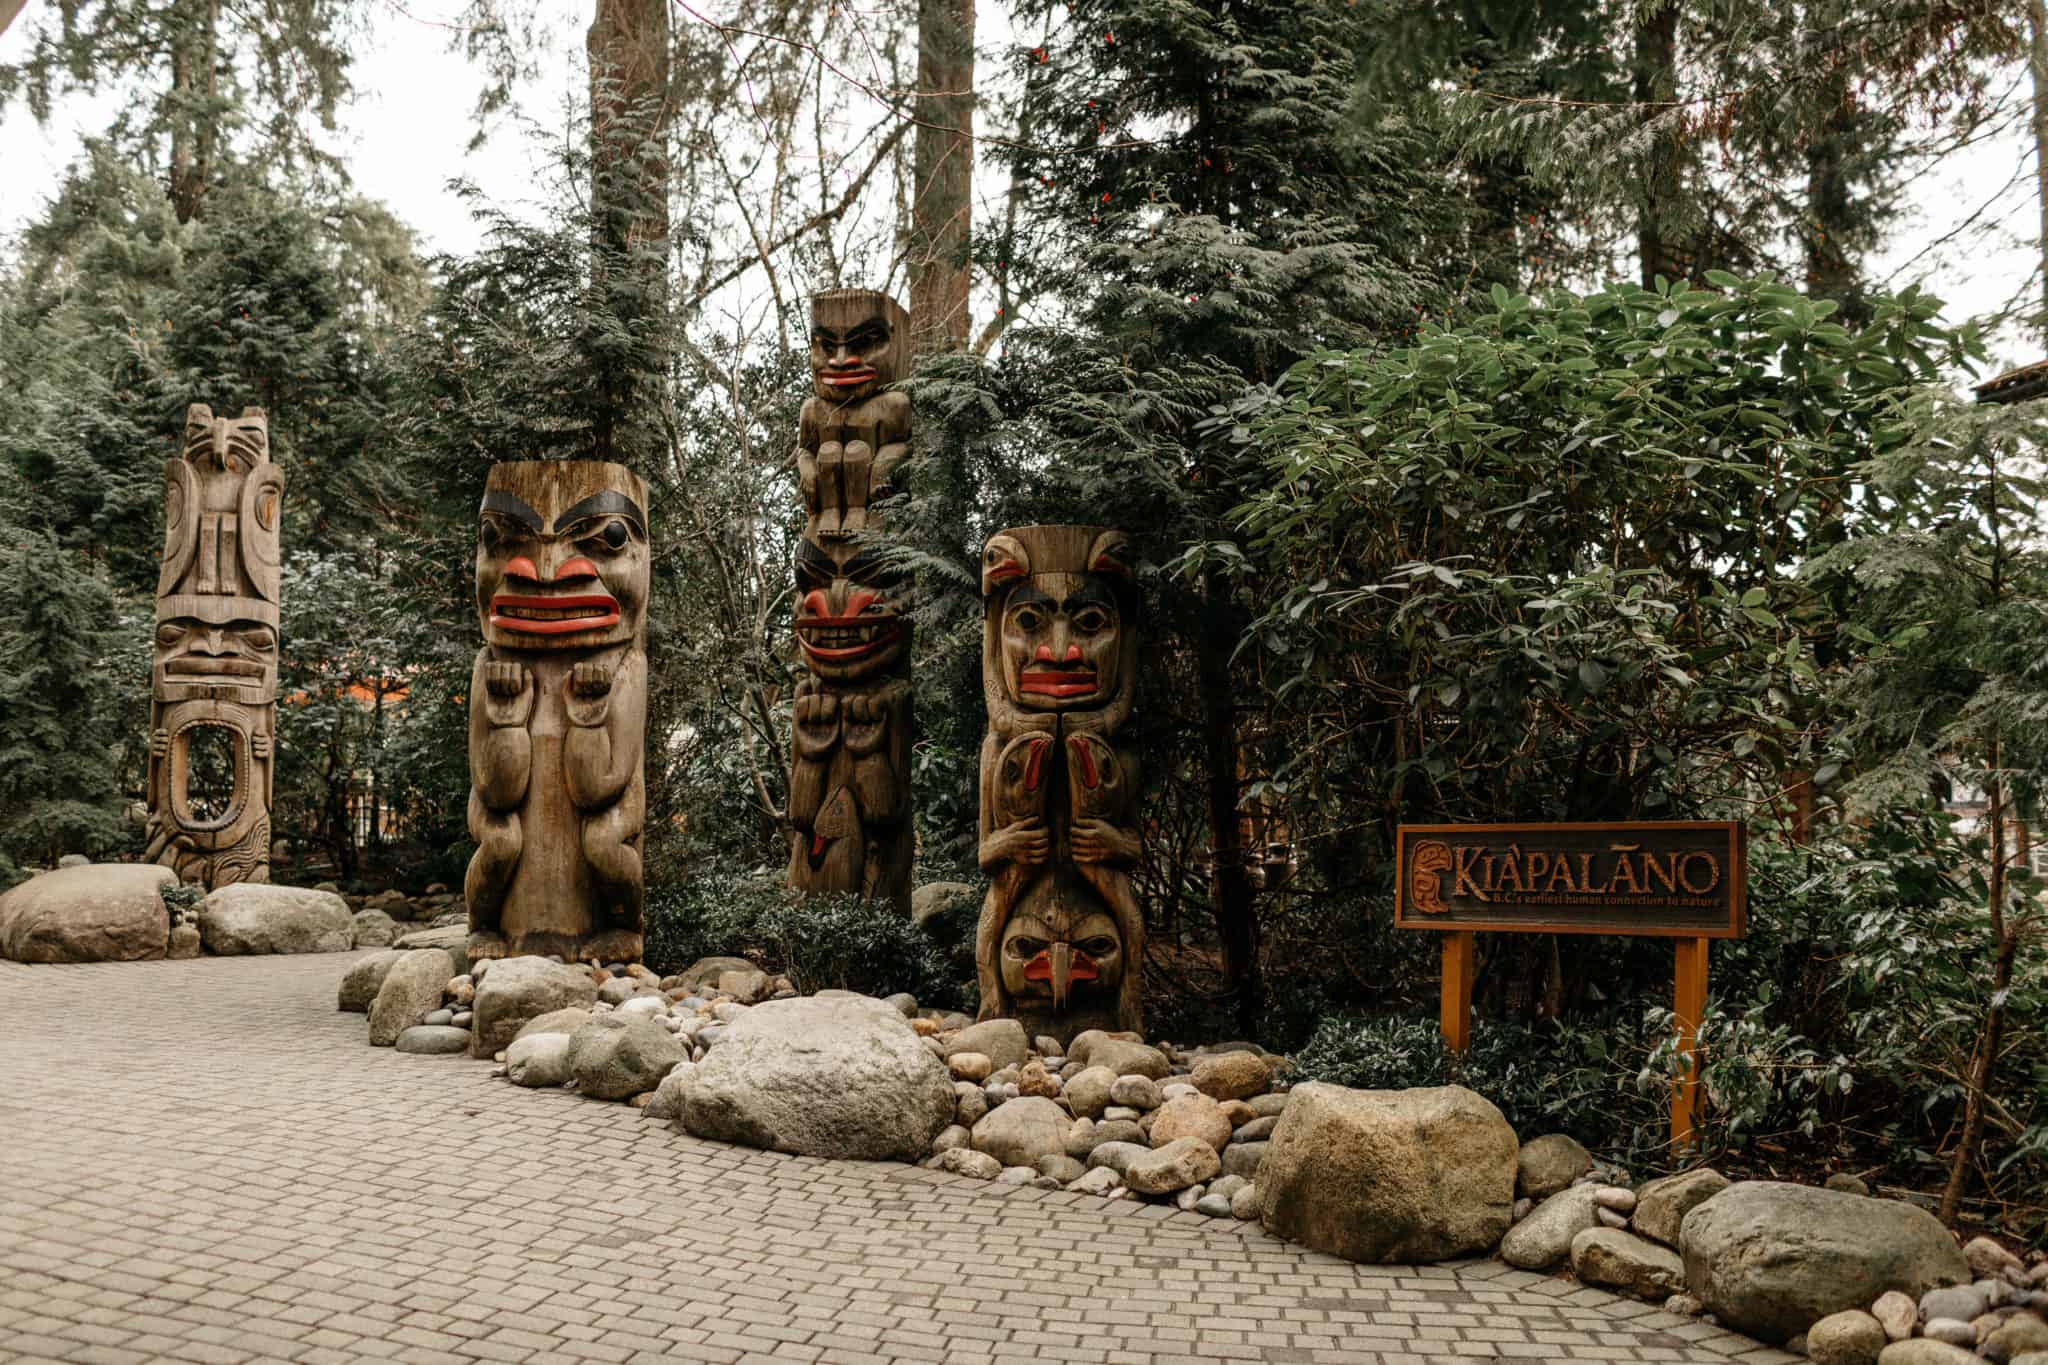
(1062, 973)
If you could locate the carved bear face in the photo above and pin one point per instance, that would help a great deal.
(561, 555)
(846, 622)
(1058, 961)
(860, 344)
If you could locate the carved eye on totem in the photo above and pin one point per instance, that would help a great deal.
(1100, 946)
(495, 531)
(1030, 619)
(260, 639)
(1090, 620)
(1025, 947)
(168, 635)
(612, 537)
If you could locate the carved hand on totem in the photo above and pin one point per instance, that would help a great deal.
(1099, 841)
(1027, 843)
(587, 693)
(159, 743)
(508, 694)
(259, 745)
(816, 721)
(867, 719)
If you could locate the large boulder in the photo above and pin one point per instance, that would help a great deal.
(364, 978)
(844, 1077)
(1622, 1261)
(1166, 1170)
(452, 939)
(374, 929)
(538, 1059)
(101, 912)
(255, 917)
(936, 898)
(412, 988)
(1772, 1259)
(1389, 1175)
(1002, 1041)
(1022, 1131)
(615, 1058)
(517, 989)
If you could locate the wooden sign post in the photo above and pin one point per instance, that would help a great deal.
(1682, 880)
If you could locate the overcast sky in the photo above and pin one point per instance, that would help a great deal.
(406, 134)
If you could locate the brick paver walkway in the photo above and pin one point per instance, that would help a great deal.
(202, 1161)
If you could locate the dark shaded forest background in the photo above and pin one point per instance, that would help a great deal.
(1512, 425)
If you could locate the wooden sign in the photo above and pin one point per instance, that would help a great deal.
(1683, 880)
(1674, 879)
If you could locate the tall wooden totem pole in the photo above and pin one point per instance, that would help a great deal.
(213, 677)
(1061, 942)
(849, 798)
(558, 713)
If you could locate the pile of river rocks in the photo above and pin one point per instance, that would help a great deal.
(725, 1051)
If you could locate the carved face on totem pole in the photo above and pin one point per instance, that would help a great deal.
(213, 673)
(570, 573)
(1060, 932)
(860, 340)
(558, 713)
(846, 623)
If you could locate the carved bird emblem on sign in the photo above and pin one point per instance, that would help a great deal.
(1425, 877)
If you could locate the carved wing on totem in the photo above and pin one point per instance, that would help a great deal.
(261, 512)
(181, 524)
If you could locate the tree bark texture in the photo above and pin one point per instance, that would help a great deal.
(942, 206)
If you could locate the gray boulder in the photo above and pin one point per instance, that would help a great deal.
(1772, 1259)
(1550, 1163)
(840, 1078)
(1002, 1041)
(517, 989)
(1661, 1205)
(1621, 1261)
(611, 1058)
(1923, 1352)
(1088, 1092)
(1851, 1337)
(1544, 1238)
(703, 974)
(411, 988)
(1121, 1055)
(1023, 1130)
(254, 917)
(361, 982)
(538, 1060)
(1389, 1175)
(434, 1040)
(1179, 1164)
(101, 912)
(373, 929)
(936, 898)
(554, 1021)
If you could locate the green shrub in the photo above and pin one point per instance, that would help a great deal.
(820, 943)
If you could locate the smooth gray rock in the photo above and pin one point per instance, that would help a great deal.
(1661, 1205)
(1023, 1130)
(411, 989)
(966, 1161)
(254, 917)
(1088, 1092)
(1061, 1168)
(101, 912)
(1120, 1055)
(1544, 1238)
(1965, 1301)
(1923, 1352)
(1116, 1155)
(373, 929)
(1772, 1259)
(1550, 1163)
(362, 980)
(1245, 1158)
(538, 1060)
(1002, 1041)
(434, 1040)
(703, 974)
(1097, 1180)
(1389, 1176)
(838, 1078)
(1851, 1337)
(517, 990)
(554, 1021)
(444, 1015)
(938, 898)
(611, 1058)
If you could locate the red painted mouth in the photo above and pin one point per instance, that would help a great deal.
(1057, 682)
(549, 615)
(846, 379)
(849, 639)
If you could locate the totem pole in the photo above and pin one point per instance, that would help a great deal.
(558, 713)
(849, 797)
(1060, 943)
(213, 677)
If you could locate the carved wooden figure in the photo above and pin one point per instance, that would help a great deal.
(849, 800)
(1061, 942)
(558, 713)
(213, 676)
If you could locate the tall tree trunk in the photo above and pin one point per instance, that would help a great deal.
(2037, 64)
(1231, 891)
(1659, 220)
(1830, 274)
(942, 205)
(628, 45)
(195, 84)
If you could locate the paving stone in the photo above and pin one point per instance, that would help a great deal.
(399, 1210)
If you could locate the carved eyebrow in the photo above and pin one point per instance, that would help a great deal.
(610, 500)
(1029, 596)
(506, 505)
(1089, 594)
